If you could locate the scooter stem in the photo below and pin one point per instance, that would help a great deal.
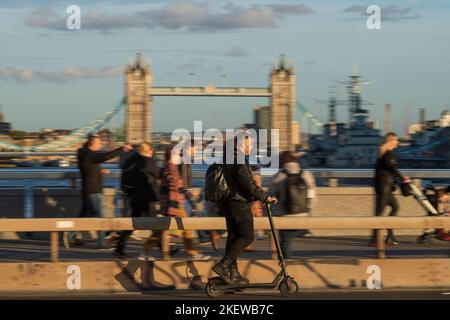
(275, 238)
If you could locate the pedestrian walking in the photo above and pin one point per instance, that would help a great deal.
(89, 159)
(295, 190)
(140, 179)
(173, 200)
(387, 176)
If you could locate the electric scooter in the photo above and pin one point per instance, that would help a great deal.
(217, 287)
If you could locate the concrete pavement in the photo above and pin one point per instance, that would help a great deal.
(410, 294)
(303, 248)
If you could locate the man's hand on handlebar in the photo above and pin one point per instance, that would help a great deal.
(272, 200)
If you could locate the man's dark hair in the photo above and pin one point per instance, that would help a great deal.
(91, 138)
(388, 137)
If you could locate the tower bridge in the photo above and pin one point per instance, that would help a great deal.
(139, 91)
(211, 91)
(138, 104)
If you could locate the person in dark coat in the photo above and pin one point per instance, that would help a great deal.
(89, 160)
(237, 208)
(145, 191)
(387, 176)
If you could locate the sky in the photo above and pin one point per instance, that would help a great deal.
(52, 77)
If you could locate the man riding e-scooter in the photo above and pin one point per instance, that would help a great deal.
(237, 208)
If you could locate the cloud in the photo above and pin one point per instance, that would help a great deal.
(24, 75)
(236, 52)
(389, 13)
(14, 4)
(176, 16)
(298, 9)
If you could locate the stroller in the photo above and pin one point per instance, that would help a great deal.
(429, 199)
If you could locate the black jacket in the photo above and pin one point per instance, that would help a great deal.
(90, 170)
(386, 172)
(147, 175)
(243, 186)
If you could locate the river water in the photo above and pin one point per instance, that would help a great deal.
(199, 182)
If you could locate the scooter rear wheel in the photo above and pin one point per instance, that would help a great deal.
(288, 287)
(212, 291)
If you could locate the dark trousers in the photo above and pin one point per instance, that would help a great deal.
(383, 198)
(138, 209)
(239, 219)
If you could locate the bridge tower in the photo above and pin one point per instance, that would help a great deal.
(283, 98)
(138, 83)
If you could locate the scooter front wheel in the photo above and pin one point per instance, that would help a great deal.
(212, 291)
(288, 287)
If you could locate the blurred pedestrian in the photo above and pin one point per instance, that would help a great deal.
(172, 199)
(124, 165)
(387, 176)
(210, 209)
(89, 159)
(295, 190)
(185, 167)
(141, 180)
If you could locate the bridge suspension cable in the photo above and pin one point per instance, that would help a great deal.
(309, 115)
(74, 137)
(80, 134)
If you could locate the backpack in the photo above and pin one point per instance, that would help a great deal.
(296, 193)
(216, 186)
(128, 179)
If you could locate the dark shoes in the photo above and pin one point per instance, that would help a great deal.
(236, 276)
(229, 273)
(223, 271)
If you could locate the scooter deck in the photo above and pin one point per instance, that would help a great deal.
(222, 285)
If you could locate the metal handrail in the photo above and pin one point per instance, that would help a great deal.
(218, 223)
(56, 225)
(197, 174)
